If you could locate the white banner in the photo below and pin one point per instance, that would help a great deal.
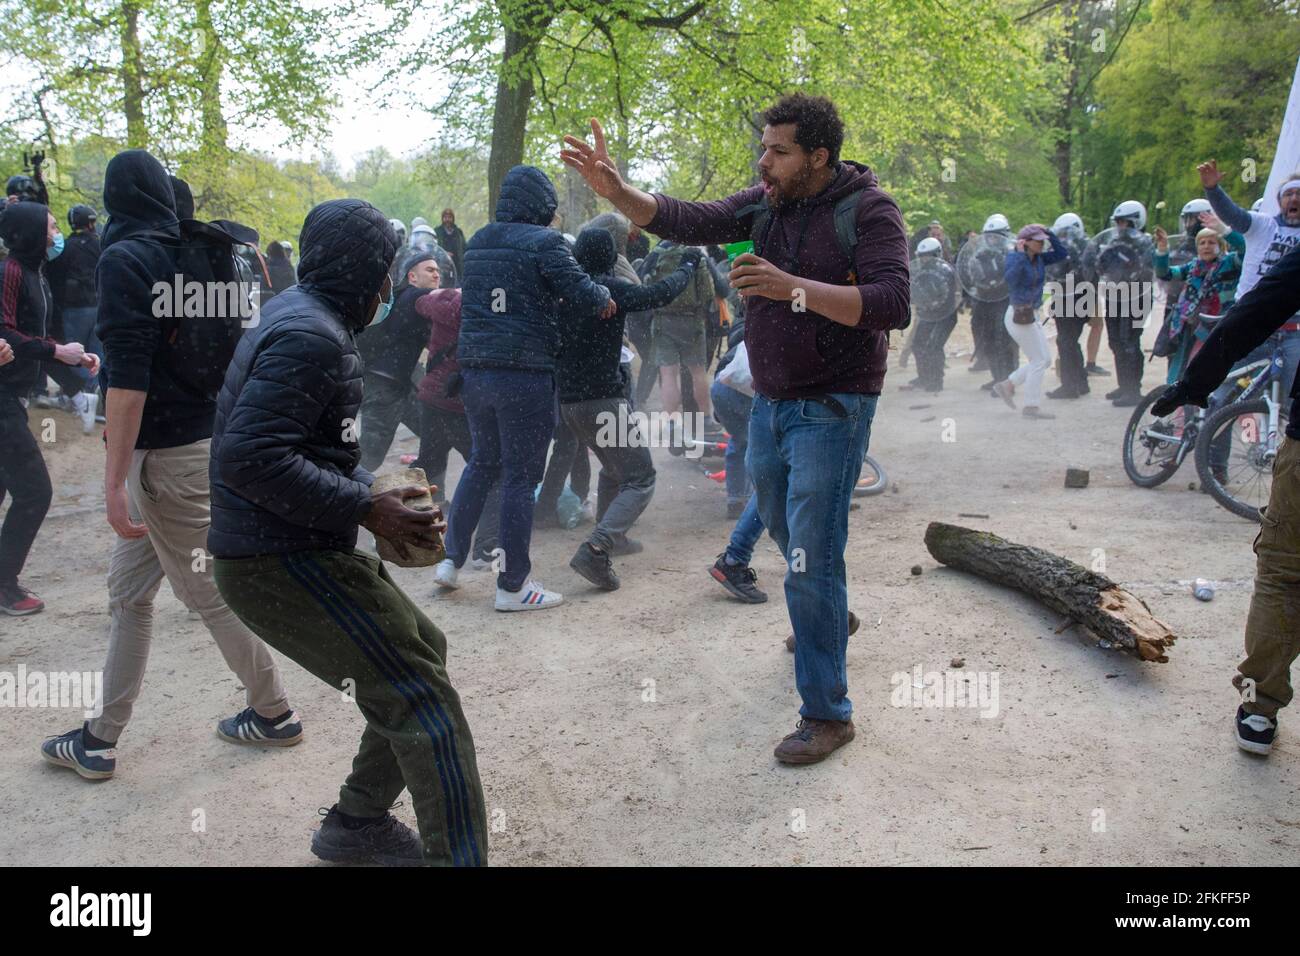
(1286, 159)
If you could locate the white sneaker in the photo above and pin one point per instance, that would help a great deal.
(531, 597)
(85, 404)
(445, 574)
(478, 564)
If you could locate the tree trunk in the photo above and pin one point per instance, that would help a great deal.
(210, 65)
(1091, 599)
(514, 96)
(137, 133)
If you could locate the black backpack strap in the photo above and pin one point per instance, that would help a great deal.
(846, 222)
(761, 212)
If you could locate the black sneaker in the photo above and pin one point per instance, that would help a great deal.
(1062, 392)
(1095, 369)
(1255, 732)
(987, 386)
(595, 566)
(388, 841)
(739, 580)
(1113, 394)
(1127, 399)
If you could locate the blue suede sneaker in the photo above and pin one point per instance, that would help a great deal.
(69, 750)
(250, 727)
(1255, 732)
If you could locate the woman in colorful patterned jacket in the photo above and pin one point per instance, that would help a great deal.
(1210, 288)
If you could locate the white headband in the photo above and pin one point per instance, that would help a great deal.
(1293, 184)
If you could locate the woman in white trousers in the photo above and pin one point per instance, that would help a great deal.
(1025, 272)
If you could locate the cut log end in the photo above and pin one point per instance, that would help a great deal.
(1092, 599)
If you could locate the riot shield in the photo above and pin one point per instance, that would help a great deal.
(934, 288)
(980, 266)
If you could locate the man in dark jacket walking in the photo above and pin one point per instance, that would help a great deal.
(452, 238)
(593, 402)
(72, 283)
(1264, 677)
(819, 310)
(26, 309)
(288, 497)
(516, 272)
(390, 350)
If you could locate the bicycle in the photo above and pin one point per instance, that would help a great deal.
(873, 479)
(1235, 462)
(1154, 449)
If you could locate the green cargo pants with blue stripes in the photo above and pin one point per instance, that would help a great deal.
(340, 616)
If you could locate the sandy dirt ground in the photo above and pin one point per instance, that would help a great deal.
(1092, 757)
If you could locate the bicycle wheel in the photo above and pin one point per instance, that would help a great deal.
(1151, 444)
(1233, 458)
(873, 479)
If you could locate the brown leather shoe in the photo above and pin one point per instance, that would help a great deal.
(814, 740)
(853, 629)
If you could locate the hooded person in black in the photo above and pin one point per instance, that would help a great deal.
(280, 268)
(26, 306)
(289, 495)
(156, 481)
(72, 283)
(390, 351)
(594, 404)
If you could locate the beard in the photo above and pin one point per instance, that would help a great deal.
(784, 191)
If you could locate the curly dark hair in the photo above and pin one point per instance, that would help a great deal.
(817, 122)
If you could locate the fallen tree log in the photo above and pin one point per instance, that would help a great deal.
(1092, 599)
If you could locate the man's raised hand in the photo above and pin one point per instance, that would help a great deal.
(594, 163)
(1210, 174)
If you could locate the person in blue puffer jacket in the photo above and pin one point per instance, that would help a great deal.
(517, 270)
(1026, 271)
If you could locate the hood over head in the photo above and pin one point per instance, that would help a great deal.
(527, 195)
(594, 250)
(617, 225)
(345, 251)
(138, 197)
(25, 228)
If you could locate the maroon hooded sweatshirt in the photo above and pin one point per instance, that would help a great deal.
(798, 354)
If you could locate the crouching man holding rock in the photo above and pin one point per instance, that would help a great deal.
(287, 499)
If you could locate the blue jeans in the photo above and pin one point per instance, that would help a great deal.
(748, 529)
(79, 326)
(804, 459)
(732, 408)
(511, 418)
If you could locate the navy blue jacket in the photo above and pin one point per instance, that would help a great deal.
(516, 272)
(284, 469)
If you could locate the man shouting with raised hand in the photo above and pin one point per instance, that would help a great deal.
(827, 280)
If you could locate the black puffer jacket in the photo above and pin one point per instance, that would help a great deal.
(284, 467)
(25, 303)
(516, 272)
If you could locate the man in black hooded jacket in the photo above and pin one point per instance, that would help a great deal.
(288, 497)
(593, 401)
(25, 313)
(156, 480)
